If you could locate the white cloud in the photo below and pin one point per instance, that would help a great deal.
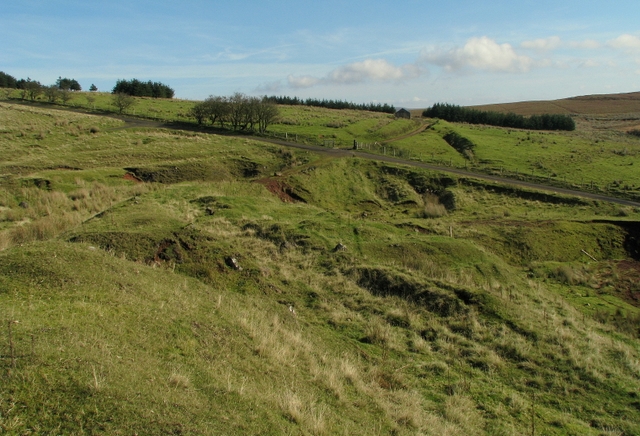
(542, 44)
(302, 81)
(481, 53)
(626, 42)
(376, 70)
(477, 54)
(373, 69)
(271, 87)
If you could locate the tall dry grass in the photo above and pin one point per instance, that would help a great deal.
(432, 207)
(35, 214)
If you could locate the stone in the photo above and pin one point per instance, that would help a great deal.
(232, 262)
(340, 247)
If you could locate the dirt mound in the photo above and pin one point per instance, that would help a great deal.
(188, 250)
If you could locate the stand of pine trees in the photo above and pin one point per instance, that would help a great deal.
(333, 104)
(138, 88)
(458, 114)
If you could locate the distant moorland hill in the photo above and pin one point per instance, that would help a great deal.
(587, 104)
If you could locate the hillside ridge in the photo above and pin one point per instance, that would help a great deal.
(580, 105)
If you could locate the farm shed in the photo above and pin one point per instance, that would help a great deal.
(403, 113)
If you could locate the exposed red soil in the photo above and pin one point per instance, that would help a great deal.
(629, 282)
(281, 190)
(622, 279)
(132, 178)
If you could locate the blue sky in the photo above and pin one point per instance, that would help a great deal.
(408, 53)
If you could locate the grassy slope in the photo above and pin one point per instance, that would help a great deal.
(561, 156)
(131, 320)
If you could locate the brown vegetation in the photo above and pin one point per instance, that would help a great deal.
(588, 104)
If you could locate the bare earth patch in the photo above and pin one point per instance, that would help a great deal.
(281, 190)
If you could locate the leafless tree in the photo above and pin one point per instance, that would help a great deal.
(123, 101)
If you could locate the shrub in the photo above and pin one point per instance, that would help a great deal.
(378, 332)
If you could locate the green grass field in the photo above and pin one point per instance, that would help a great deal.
(365, 297)
(597, 160)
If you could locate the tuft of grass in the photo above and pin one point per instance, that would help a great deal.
(179, 381)
(433, 210)
(462, 411)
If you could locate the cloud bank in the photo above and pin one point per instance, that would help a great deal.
(626, 42)
(369, 70)
(477, 54)
(481, 53)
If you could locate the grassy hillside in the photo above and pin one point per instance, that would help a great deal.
(158, 281)
(599, 156)
(606, 162)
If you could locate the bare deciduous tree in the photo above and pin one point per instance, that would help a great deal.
(122, 101)
(239, 111)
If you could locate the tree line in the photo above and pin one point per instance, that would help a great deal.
(64, 84)
(138, 88)
(238, 112)
(32, 89)
(458, 114)
(333, 104)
